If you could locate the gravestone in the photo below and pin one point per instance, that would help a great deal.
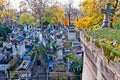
(49, 28)
(25, 27)
(107, 12)
(4, 72)
(40, 37)
(14, 51)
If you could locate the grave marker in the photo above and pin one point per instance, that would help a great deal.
(107, 12)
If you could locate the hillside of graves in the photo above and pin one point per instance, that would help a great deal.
(108, 40)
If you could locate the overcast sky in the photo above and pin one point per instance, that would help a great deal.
(16, 3)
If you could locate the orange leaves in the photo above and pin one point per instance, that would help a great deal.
(65, 21)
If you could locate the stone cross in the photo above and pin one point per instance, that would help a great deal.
(107, 12)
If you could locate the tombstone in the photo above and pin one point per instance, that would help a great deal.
(18, 47)
(44, 43)
(107, 12)
(14, 51)
(25, 28)
(40, 37)
(48, 28)
(4, 71)
(52, 37)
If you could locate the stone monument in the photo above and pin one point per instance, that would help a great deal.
(107, 12)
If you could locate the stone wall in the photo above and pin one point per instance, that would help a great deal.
(96, 66)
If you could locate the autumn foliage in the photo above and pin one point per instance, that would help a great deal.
(65, 21)
(90, 17)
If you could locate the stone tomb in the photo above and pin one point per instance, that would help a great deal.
(71, 33)
(18, 46)
(4, 71)
(107, 12)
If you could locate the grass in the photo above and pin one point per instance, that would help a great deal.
(109, 35)
(42, 49)
(12, 74)
(68, 42)
(12, 62)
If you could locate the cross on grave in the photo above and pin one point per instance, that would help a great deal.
(107, 12)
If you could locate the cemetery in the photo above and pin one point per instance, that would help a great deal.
(59, 40)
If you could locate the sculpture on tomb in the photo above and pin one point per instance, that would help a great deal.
(107, 11)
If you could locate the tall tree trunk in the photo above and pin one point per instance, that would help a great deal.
(69, 17)
(41, 21)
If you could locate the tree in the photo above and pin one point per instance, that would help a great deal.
(4, 30)
(114, 18)
(65, 21)
(26, 18)
(91, 17)
(76, 67)
(54, 14)
(68, 9)
(59, 13)
(23, 6)
(6, 14)
(2, 2)
(38, 7)
(49, 15)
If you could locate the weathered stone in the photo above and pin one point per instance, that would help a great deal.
(95, 65)
(107, 12)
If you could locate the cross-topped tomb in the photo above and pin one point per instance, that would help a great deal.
(107, 12)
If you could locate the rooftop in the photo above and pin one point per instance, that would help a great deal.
(20, 38)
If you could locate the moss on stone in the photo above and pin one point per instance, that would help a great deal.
(97, 44)
(87, 37)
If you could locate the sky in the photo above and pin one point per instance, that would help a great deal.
(15, 3)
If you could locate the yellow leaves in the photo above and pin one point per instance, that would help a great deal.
(102, 39)
(108, 42)
(118, 47)
(54, 13)
(4, 14)
(83, 23)
(91, 17)
(1, 2)
(59, 13)
(25, 18)
(87, 6)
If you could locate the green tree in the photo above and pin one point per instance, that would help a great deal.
(4, 30)
(26, 18)
(53, 14)
(77, 66)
